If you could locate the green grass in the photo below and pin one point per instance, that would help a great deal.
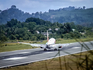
(62, 41)
(14, 46)
(73, 40)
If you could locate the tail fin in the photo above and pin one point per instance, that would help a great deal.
(47, 36)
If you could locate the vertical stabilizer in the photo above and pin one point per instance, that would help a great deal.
(47, 36)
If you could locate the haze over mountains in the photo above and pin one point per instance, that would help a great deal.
(69, 14)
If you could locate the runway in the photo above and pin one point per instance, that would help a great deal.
(20, 57)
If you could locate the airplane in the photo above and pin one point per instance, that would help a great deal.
(51, 44)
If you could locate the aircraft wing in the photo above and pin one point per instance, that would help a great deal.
(44, 45)
(36, 45)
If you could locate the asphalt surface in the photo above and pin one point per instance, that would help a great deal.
(20, 57)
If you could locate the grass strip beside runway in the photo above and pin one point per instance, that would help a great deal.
(14, 46)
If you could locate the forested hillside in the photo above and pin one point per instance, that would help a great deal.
(80, 16)
(35, 29)
(13, 13)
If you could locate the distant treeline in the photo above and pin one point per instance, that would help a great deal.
(33, 29)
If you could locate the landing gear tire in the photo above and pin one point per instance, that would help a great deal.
(45, 49)
(55, 49)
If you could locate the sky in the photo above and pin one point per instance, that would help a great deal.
(32, 6)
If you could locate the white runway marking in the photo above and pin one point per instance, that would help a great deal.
(15, 58)
(48, 52)
(24, 52)
(75, 47)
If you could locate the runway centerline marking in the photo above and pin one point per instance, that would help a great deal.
(15, 58)
(48, 52)
(75, 47)
(24, 52)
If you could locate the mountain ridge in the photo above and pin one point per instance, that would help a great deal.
(62, 15)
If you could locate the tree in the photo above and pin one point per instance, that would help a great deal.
(72, 25)
(12, 22)
(75, 34)
(34, 38)
(3, 38)
(66, 36)
(12, 37)
(31, 26)
(67, 27)
(80, 28)
(26, 37)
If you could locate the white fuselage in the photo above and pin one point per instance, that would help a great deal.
(51, 41)
(51, 44)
